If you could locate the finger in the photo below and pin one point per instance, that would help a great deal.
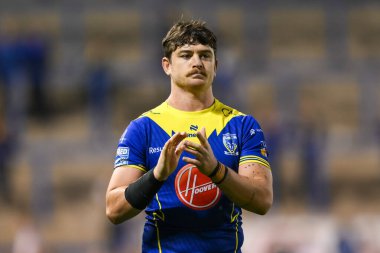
(192, 151)
(179, 137)
(176, 136)
(181, 145)
(166, 145)
(180, 148)
(203, 131)
(192, 145)
(202, 137)
(176, 139)
(191, 161)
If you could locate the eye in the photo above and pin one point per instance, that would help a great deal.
(205, 56)
(185, 56)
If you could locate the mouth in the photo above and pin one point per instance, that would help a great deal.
(197, 74)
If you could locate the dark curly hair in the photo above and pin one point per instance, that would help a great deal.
(188, 32)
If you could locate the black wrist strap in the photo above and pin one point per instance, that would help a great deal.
(224, 176)
(142, 191)
(214, 171)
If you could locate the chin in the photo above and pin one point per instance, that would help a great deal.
(198, 82)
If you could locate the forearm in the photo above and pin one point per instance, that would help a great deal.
(125, 202)
(253, 194)
(117, 207)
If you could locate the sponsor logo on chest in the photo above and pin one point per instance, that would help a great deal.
(195, 190)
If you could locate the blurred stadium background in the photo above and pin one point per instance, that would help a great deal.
(74, 73)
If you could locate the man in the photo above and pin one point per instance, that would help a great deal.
(192, 162)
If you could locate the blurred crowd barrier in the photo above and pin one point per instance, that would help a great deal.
(72, 75)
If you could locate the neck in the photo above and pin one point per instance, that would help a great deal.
(190, 101)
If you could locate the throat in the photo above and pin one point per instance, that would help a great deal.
(190, 102)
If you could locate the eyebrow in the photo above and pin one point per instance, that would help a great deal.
(191, 51)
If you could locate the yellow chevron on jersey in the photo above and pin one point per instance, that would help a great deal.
(174, 120)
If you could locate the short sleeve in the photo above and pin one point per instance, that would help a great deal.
(131, 147)
(254, 148)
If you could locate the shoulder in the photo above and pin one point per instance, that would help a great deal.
(246, 122)
(226, 110)
(231, 112)
(146, 117)
(139, 123)
(160, 109)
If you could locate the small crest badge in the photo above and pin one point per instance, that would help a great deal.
(230, 143)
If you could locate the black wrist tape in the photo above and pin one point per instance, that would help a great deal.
(215, 170)
(224, 175)
(142, 191)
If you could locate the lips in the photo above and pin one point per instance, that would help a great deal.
(197, 74)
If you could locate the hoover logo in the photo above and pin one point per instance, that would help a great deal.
(195, 190)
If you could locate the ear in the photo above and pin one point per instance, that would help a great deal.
(166, 65)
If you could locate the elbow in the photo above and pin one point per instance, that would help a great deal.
(117, 215)
(112, 216)
(115, 211)
(262, 206)
(265, 205)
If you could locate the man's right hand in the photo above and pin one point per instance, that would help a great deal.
(169, 157)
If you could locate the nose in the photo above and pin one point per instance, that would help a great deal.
(197, 62)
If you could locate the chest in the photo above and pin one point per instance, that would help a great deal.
(224, 139)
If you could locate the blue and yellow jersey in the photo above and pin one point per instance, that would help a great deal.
(190, 213)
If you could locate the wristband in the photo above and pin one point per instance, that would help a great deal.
(214, 171)
(142, 191)
(224, 176)
(219, 173)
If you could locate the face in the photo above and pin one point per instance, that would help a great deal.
(191, 66)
